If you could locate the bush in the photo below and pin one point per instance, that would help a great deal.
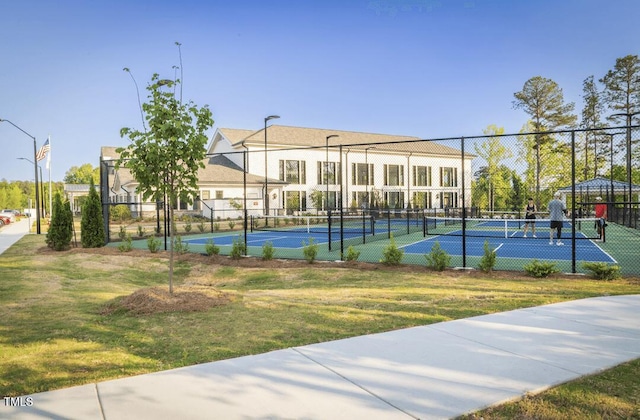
(602, 270)
(61, 228)
(122, 234)
(392, 255)
(488, 260)
(211, 248)
(352, 254)
(120, 213)
(126, 245)
(438, 259)
(310, 250)
(187, 227)
(268, 251)
(141, 231)
(232, 224)
(541, 269)
(238, 249)
(179, 246)
(201, 227)
(92, 226)
(153, 244)
(216, 226)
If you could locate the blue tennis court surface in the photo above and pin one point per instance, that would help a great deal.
(278, 239)
(515, 247)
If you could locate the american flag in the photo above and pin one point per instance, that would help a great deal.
(42, 153)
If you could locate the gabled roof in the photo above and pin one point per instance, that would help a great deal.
(218, 170)
(280, 136)
(596, 185)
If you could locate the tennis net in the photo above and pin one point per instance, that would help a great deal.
(585, 228)
(321, 224)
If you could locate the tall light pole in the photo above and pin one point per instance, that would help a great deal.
(366, 164)
(629, 115)
(611, 160)
(266, 182)
(326, 166)
(35, 170)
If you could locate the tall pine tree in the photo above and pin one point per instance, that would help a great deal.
(61, 227)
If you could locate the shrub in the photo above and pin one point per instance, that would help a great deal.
(352, 254)
(141, 231)
(211, 248)
(238, 249)
(61, 228)
(92, 226)
(187, 227)
(488, 260)
(120, 213)
(122, 234)
(310, 250)
(201, 227)
(268, 251)
(438, 259)
(541, 269)
(392, 255)
(153, 244)
(602, 270)
(126, 244)
(216, 226)
(179, 246)
(232, 224)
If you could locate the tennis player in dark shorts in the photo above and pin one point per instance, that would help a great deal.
(530, 214)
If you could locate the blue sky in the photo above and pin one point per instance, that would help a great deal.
(423, 68)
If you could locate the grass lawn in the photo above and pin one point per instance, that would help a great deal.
(55, 332)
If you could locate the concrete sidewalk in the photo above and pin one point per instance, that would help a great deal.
(431, 372)
(12, 233)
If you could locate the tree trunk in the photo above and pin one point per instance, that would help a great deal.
(171, 236)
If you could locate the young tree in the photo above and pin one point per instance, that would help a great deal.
(166, 158)
(92, 226)
(61, 227)
(543, 100)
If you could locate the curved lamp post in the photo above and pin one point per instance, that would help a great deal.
(35, 170)
(266, 182)
(41, 182)
(326, 165)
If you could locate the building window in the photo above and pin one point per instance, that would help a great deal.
(448, 199)
(205, 194)
(394, 199)
(294, 201)
(422, 176)
(393, 175)
(219, 194)
(328, 173)
(422, 200)
(448, 177)
(293, 171)
(360, 175)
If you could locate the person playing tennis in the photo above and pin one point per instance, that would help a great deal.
(530, 216)
(557, 211)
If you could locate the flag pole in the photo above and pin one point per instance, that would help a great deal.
(49, 167)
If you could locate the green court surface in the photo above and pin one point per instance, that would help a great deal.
(620, 247)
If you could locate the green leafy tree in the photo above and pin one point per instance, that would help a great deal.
(494, 152)
(61, 227)
(83, 174)
(92, 223)
(543, 100)
(165, 159)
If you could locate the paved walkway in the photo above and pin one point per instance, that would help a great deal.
(11, 233)
(430, 372)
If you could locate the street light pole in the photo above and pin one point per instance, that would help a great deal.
(266, 182)
(35, 170)
(326, 167)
